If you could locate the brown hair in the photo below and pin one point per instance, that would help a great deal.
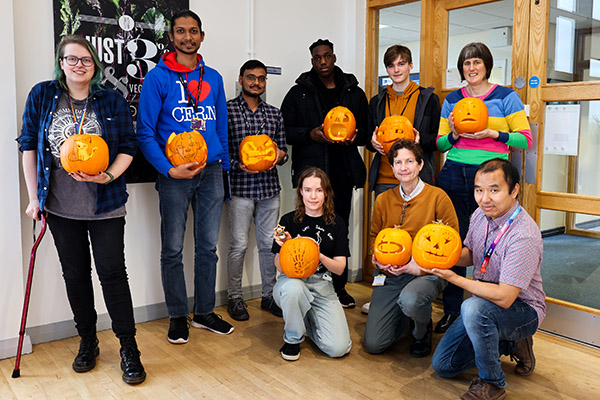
(394, 51)
(475, 50)
(328, 209)
(408, 145)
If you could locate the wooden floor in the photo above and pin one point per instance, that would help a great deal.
(247, 365)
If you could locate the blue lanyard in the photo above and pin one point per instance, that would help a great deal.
(488, 254)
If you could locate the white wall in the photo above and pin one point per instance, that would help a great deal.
(283, 31)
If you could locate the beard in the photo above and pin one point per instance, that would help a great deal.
(184, 51)
(251, 94)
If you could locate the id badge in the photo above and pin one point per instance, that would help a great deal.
(198, 124)
(379, 280)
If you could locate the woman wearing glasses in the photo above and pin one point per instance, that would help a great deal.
(402, 295)
(77, 204)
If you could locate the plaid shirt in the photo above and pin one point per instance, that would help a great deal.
(263, 185)
(117, 130)
(517, 258)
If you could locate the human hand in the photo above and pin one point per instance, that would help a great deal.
(348, 141)
(417, 136)
(100, 178)
(486, 133)
(446, 274)
(279, 240)
(279, 155)
(246, 169)
(375, 143)
(455, 135)
(317, 135)
(33, 210)
(186, 171)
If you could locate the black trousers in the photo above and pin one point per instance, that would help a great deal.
(343, 187)
(107, 240)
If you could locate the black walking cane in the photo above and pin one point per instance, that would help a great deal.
(17, 372)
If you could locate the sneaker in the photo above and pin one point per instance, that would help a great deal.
(237, 309)
(268, 303)
(85, 359)
(422, 347)
(365, 308)
(213, 322)
(179, 330)
(346, 300)
(444, 323)
(290, 352)
(523, 355)
(480, 390)
(131, 365)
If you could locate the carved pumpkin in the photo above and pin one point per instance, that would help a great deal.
(436, 246)
(392, 246)
(186, 147)
(258, 152)
(299, 257)
(470, 115)
(86, 153)
(339, 124)
(393, 128)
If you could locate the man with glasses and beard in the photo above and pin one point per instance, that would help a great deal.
(255, 195)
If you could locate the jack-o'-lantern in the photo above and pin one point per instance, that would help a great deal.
(299, 257)
(86, 153)
(258, 152)
(392, 246)
(470, 115)
(436, 246)
(339, 124)
(186, 147)
(393, 128)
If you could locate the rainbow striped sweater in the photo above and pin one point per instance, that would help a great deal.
(506, 115)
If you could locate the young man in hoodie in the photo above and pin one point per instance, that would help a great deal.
(179, 95)
(304, 109)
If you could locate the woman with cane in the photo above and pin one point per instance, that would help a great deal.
(79, 205)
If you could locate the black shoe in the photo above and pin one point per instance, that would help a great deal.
(422, 347)
(86, 357)
(237, 309)
(290, 352)
(268, 303)
(212, 322)
(444, 323)
(131, 365)
(179, 330)
(346, 300)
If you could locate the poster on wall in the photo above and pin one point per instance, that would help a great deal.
(130, 36)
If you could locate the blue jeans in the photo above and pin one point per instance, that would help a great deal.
(458, 181)
(205, 193)
(480, 335)
(310, 306)
(401, 299)
(265, 214)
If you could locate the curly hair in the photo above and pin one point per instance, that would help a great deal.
(328, 209)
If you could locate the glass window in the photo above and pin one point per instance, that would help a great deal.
(574, 41)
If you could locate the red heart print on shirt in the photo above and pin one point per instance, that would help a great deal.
(193, 88)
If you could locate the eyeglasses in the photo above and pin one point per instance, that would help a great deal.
(254, 78)
(72, 61)
(318, 59)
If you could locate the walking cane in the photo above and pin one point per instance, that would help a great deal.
(17, 372)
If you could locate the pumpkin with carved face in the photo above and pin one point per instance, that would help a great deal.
(299, 257)
(393, 128)
(392, 246)
(470, 115)
(186, 147)
(258, 152)
(339, 124)
(436, 246)
(86, 153)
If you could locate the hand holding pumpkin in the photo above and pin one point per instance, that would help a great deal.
(486, 133)
(100, 177)
(375, 143)
(280, 241)
(186, 171)
(317, 135)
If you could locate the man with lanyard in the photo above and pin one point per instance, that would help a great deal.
(179, 95)
(304, 108)
(504, 245)
(255, 195)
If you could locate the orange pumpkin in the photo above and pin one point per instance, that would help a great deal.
(436, 246)
(86, 153)
(392, 246)
(299, 257)
(258, 152)
(339, 124)
(186, 147)
(393, 128)
(470, 115)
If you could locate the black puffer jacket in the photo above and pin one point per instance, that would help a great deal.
(302, 111)
(427, 122)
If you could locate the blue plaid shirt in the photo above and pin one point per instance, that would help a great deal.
(263, 185)
(117, 130)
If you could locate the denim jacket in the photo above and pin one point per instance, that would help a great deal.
(117, 130)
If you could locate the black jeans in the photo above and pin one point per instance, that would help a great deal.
(107, 239)
(343, 188)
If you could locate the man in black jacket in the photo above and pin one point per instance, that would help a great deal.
(304, 108)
